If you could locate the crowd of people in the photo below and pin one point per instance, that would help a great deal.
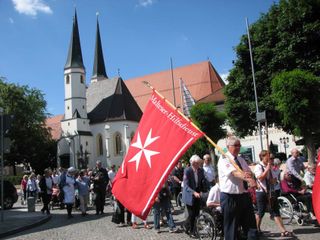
(226, 190)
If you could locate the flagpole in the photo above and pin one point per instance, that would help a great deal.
(173, 90)
(195, 126)
(181, 105)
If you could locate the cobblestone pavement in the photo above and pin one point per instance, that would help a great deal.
(101, 227)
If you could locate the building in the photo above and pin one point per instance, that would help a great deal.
(201, 79)
(100, 118)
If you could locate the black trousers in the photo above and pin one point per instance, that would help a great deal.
(46, 198)
(237, 210)
(193, 212)
(100, 200)
(122, 210)
(69, 208)
(176, 191)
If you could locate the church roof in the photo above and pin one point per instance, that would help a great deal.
(99, 69)
(74, 58)
(110, 100)
(201, 79)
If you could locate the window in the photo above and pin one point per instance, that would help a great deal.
(99, 145)
(67, 79)
(81, 79)
(118, 144)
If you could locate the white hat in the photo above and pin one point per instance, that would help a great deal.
(71, 170)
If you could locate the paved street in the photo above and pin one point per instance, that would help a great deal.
(101, 227)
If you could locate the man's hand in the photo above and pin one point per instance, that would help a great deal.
(302, 191)
(251, 182)
(157, 200)
(196, 194)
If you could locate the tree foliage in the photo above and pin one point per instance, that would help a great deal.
(296, 96)
(31, 140)
(210, 121)
(285, 38)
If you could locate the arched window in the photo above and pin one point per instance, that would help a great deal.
(117, 143)
(67, 79)
(81, 79)
(99, 145)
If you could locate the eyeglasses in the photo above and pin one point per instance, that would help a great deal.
(236, 145)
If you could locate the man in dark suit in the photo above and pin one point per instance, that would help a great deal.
(100, 182)
(194, 183)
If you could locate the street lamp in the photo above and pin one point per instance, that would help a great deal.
(285, 141)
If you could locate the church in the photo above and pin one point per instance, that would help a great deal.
(100, 118)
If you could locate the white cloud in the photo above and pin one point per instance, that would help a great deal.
(11, 20)
(31, 7)
(224, 76)
(146, 3)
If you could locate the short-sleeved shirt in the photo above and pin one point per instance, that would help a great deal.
(295, 166)
(228, 182)
(214, 194)
(308, 178)
(258, 171)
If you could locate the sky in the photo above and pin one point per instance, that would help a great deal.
(138, 37)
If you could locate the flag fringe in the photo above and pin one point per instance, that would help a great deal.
(205, 135)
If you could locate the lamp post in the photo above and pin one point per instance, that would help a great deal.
(285, 141)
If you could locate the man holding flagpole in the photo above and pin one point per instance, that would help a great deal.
(235, 201)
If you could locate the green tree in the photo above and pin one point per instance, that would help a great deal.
(210, 121)
(296, 95)
(285, 38)
(31, 140)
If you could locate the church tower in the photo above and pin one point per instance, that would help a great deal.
(75, 125)
(75, 118)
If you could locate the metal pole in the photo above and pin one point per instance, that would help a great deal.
(254, 83)
(285, 149)
(2, 165)
(173, 89)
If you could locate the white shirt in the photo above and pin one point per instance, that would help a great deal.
(229, 183)
(208, 172)
(308, 178)
(214, 194)
(258, 171)
(111, 175)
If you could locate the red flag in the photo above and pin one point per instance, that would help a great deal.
(163, 135)
(316, 191)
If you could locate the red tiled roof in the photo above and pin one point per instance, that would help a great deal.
(55, 126)
(216, 97)
(201, 79)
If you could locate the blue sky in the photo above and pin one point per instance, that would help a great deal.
(138, 37)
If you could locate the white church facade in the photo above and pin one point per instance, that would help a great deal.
(100, 118)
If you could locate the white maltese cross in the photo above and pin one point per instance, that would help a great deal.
(147, 153)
